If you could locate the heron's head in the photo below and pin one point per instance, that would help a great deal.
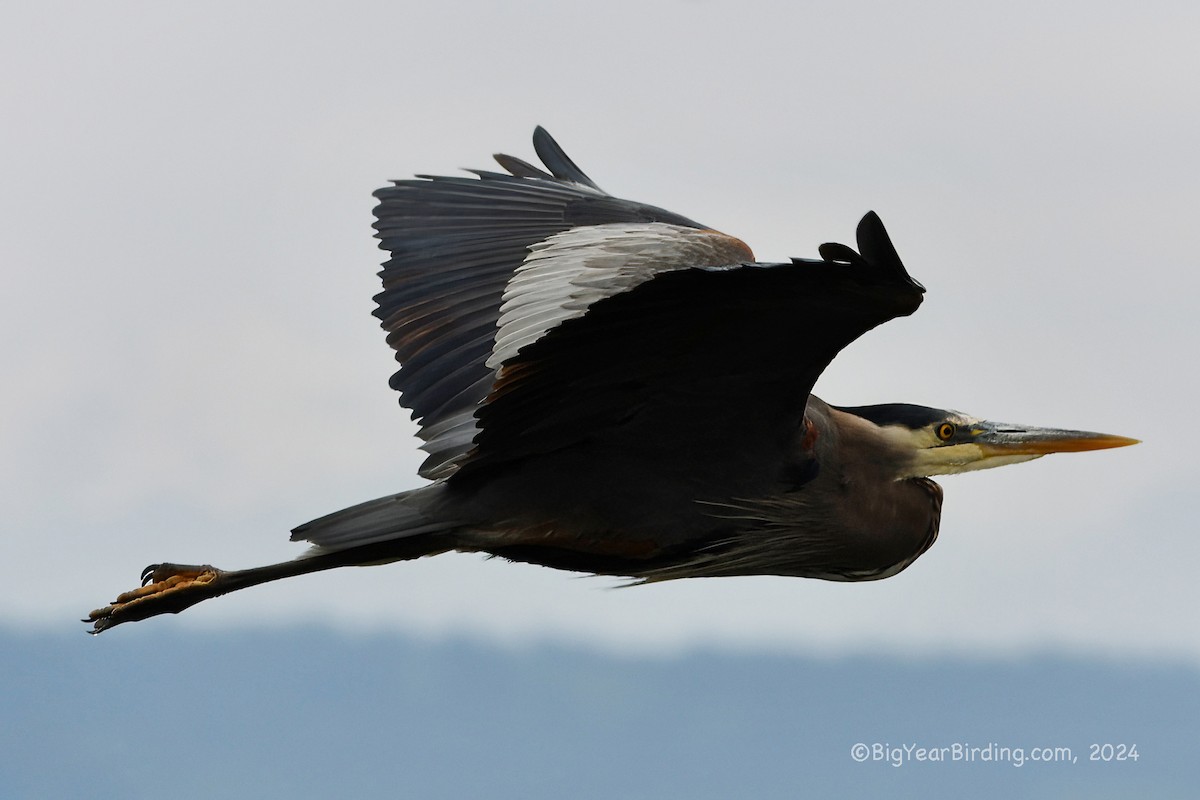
(943, 442)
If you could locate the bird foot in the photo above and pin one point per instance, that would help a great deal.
(165, 589)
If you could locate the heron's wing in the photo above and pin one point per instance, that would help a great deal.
(703, 367)
(456, 244)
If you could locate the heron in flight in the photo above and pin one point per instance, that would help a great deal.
(607, 387)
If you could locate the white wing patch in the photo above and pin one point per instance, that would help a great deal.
(565, 274)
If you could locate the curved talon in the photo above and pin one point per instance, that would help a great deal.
(165, 589)
(158, 573)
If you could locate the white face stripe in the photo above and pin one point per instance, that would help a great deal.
(568, 272)
(932, 457)
(955, 458)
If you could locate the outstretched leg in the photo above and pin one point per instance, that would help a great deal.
(170, 588)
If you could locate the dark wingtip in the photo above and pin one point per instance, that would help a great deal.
(838, 253)
(520, 168)
(874, 242)
(874, 246)
(557, 161)
(877, 248)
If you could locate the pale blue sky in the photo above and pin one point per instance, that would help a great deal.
(191, 367)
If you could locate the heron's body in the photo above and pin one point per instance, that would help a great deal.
(608, 387)
(804, 515)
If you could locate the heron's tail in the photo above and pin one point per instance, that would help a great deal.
(415, 515)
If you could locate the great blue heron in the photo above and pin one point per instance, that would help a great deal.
(608, 387)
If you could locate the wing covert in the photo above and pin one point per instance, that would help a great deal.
(455, 243)
(704, 368)
(532, 311)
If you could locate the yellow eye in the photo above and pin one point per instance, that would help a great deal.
(945, 431)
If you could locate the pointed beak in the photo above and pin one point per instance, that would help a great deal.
(1001, 439)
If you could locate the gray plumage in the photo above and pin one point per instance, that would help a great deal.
(608, 387)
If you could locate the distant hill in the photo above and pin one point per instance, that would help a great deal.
(156, 713)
